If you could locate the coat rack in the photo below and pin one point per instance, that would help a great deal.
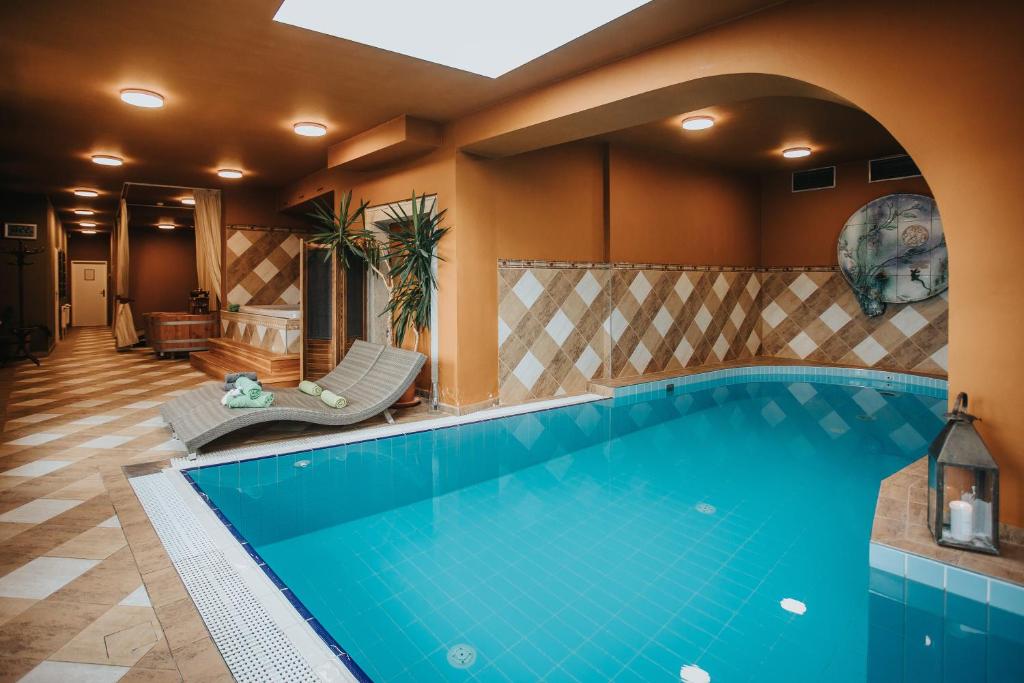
(22, 334)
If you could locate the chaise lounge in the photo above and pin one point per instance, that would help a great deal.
(371, 377)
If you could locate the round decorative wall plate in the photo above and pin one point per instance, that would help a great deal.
(893, 250)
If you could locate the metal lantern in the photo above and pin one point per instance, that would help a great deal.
(963, 486)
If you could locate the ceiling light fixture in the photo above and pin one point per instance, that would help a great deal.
(529, 28)
(86, 193)
(310, 129)
(165, 226)
(229, 173)
(84, 212)
(698, 122)
(190, 201)
(147, 99)
(87, 232)
(796, 152)
(107, 160)
(87, 224)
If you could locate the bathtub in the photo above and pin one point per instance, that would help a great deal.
(286, 311)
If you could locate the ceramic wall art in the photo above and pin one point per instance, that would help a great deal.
(893, 250)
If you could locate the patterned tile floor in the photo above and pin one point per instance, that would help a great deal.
(87, 592)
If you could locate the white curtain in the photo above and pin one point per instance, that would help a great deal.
(208, 242)
(124, 324)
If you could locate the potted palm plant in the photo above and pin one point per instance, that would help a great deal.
(401, 255)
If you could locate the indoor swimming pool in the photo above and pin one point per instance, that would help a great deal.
(718, 531)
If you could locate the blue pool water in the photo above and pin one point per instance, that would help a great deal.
(616, 540)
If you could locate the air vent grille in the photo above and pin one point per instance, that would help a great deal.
(892, 168)
(814, 179)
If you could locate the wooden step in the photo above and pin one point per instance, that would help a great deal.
(228, 355)
(236, 352)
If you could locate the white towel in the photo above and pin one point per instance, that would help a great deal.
(229, 395)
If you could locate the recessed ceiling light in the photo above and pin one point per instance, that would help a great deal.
(190, 201)
(87, 224)
(529, 28)
(84, 212)
(107, 160)
(310, 129)
(229, 173)
(165, 226)
(147, 99)
(87, 232)
(698, 122)
(86, 193)
(796, 152)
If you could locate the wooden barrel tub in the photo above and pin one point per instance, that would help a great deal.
(169, 332)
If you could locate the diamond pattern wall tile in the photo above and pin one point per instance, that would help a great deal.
(262, 267)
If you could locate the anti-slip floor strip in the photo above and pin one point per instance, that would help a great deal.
(259, 640)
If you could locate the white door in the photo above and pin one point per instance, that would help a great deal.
(88, 293)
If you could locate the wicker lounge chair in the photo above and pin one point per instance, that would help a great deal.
(371, 377)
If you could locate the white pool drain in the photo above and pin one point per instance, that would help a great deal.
(705, 508)
(302, 463)
(462, 656)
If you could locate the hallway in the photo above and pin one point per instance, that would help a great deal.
(86, 590)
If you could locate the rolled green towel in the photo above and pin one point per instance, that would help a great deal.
(264, 400)
(248, 387)
(332, 399)
(311, 388)
(233, 308)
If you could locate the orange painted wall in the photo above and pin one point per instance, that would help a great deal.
(666, 209)
(802, 228)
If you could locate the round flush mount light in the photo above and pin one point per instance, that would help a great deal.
(796, 152)
(229, 173)
(107, 160)
(165, 226)
(698, 123)
(310, 129)
(86, 193)
(188, 201)
(84, 212)
(147, 99)
(88, 232)
(87, 224)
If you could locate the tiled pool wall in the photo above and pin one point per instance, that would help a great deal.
(562, 325)
(929, 621)
(878, 379)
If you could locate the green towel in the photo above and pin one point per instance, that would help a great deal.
(233, 308)
(311, 388)
(263, 400)
(332, 399)
(248, 388)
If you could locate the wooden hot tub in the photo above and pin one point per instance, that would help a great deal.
(169, 332)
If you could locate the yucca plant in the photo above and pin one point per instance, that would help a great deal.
(412, 247)
(402, 260)
(343, 233)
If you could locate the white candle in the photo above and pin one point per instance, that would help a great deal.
(961, 520)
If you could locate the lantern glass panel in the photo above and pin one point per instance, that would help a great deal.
(965, 497)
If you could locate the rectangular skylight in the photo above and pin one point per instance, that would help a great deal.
(485, 37)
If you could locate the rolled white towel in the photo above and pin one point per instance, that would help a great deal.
(229, 395)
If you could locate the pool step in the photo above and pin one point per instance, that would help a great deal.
(226, 355)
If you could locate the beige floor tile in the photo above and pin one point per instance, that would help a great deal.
(97, 543)
(181, 623)
(82, 490)
(120, 637)
(143, 675)
(164, 586)
(200, 662)
(108, 583)
(12, 607)
(46, 627)
(11, 529)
